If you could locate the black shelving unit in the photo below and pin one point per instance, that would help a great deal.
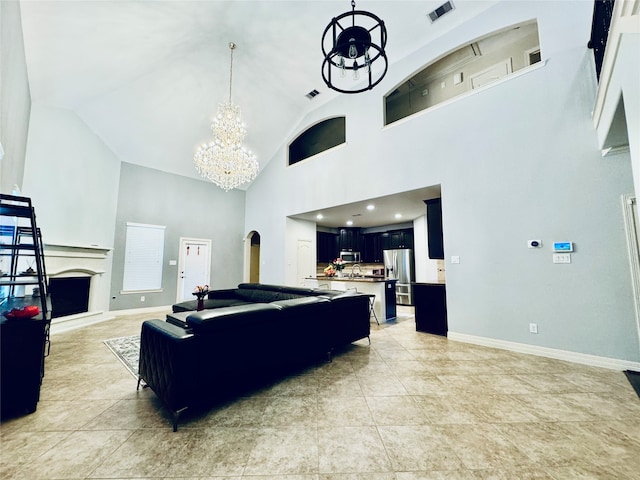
(24, 342)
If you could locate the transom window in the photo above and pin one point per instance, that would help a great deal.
(469, 67)
(318, 138)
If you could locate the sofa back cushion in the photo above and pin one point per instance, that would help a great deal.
(237, 317)
(260, 292)
(299, 302)
(257, 296)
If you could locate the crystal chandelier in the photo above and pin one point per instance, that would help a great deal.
(224, 161)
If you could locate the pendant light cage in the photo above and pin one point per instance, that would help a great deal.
(351, 43)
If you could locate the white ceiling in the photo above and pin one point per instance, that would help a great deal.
(409, 205)
(147, 76)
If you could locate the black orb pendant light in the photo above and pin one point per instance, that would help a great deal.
(350, 50)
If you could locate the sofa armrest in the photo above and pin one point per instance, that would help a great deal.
(350, 320)
(168, 363)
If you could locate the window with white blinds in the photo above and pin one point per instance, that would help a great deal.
(143, 257)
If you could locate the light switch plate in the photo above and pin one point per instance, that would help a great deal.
(455, 259)
(561, 258)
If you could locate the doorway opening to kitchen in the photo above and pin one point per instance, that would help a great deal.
(252, 255)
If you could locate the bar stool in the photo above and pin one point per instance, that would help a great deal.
(372, 301)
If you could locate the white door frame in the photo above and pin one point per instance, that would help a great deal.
(631, 227)
(180, 282)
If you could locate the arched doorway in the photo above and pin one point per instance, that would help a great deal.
(253, 256)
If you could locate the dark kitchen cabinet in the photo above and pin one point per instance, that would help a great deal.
(401, 238)
(327, 246)
(430, 302)
(385, 241)
(372, 248)
(374, 244)
(390, 299)
(349, 240)
(434, 229)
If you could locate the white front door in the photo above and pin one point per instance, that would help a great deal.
(194, 266)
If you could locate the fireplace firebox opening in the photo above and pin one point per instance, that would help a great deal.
(69, 295)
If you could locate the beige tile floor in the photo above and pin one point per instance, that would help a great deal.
(411, 406)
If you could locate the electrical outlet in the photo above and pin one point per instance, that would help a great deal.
(142, 299)
(533, 328)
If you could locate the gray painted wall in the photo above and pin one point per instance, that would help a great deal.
(526, 165)
(188, 208)
(517, 160)
(15, 97)
(72, 177)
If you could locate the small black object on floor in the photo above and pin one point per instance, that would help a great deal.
(634, 380)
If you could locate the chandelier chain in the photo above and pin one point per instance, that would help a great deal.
(232, 47)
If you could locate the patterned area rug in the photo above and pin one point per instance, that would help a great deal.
(127, 349)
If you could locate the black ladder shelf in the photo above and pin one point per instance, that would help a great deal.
(24, 341)
(25, 243)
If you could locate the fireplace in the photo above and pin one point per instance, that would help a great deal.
(78, 285)
(69, 295)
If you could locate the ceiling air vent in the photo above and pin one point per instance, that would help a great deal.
(312, 93)
(440, 11)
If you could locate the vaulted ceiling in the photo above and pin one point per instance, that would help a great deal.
(147, 76)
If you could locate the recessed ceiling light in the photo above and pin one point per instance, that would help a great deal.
(349, 222)
(398, 215)
(319, 216)
(371, 207)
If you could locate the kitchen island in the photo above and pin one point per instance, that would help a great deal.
(383, 288)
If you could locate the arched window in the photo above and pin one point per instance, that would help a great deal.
(318, 138)
(469, 67)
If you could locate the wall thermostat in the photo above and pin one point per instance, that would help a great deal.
(563, 246)
(534, 243)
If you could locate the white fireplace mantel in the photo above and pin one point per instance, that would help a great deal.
(74, 250)
(63, 260)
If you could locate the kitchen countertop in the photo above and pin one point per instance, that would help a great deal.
(347, 278)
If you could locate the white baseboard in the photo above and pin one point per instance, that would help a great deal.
(80, 320)
(136, 311)
(575, 357)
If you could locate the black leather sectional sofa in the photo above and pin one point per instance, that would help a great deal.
(245, 336)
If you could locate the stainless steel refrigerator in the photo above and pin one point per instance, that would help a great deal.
(399, 264)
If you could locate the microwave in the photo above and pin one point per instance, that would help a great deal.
(350, 257)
